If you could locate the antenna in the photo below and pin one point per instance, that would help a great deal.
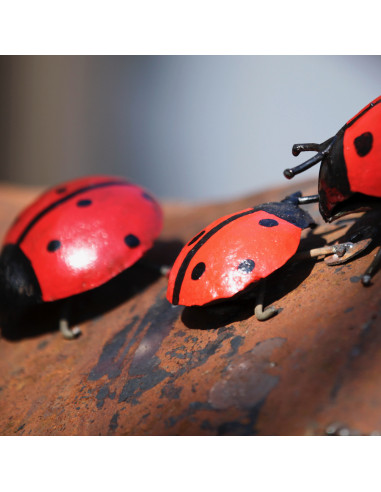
(291, 172)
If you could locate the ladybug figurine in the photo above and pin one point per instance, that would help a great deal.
(350, 171)
(236, 251)
(75, 237)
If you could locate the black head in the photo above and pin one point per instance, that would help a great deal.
(334, 190)
(288, 209)
(19, 286)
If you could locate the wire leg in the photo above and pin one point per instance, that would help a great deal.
(372, 269)
(260, 313)
(67, 332)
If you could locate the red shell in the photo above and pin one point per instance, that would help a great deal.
(80, 234)
(229, 254)
(364, 171)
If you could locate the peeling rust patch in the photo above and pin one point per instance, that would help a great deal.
(114, 422)
(193, 407)
(246, 381)
(108, 364)
(103, 393)
(144, 368)
(235, 344)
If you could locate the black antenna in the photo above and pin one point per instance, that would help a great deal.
(291, 172)
(321, 149)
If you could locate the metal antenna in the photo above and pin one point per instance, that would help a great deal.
(291, 172)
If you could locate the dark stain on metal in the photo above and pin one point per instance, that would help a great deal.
(238, 428)
(348, 310)
(20, 428)
(134, 388)
(193, 407)
(178, 353)
(103, 393)
(42, 345)
(246, 380)
(354, 352)
(171, 392)
(355, 279)
(196, 358)
(114, 422)
(235, 344)
(179, 333)
(108, 364)
(192, 339)
(145, 364)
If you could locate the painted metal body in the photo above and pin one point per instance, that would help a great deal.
(144, 367)
(350, 171)
(79, 235)
(235, 251)
(352, 166)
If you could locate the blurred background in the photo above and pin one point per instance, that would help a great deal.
(189, 128)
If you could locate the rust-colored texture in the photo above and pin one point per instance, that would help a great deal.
(144, 367)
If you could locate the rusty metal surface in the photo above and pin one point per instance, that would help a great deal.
(143, 367)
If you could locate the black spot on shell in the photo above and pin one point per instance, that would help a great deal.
(196, 238)
(132, 241)
(61, 190)
(246, 266)
(53, 245)
(363, 144)
(268, 222)
(198, 271)
(84, 203)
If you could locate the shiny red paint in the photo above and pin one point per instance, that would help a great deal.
(364, 172)
(75, 234)
(238, 243)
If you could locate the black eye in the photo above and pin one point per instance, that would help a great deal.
(363, 144)
(53, 245)
(132, 241)
(198, 271)
(246, 266)
(268, 222)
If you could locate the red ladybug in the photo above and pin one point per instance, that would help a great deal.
(77, 236)
(350, 171)
(235, 251)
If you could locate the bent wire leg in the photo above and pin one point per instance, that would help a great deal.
(67, 332)
(338, 249)
(372, 269)
(260, 313)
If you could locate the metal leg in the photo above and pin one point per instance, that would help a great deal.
(338, 249)
(67, 332)
(372, 269)
(340, 253)
(260, 313)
